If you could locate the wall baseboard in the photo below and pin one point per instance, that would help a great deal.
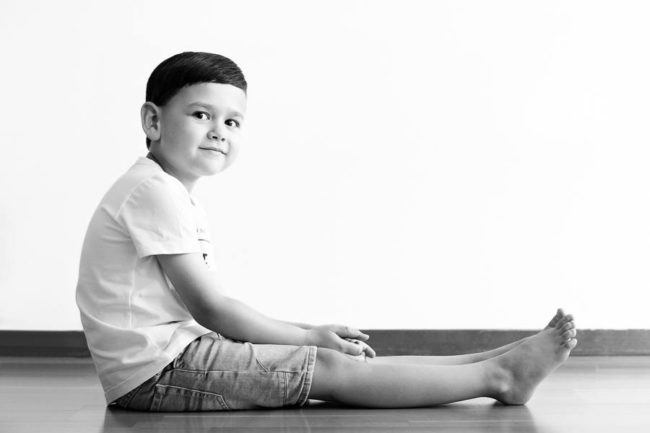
(591, 342)
(387, 342)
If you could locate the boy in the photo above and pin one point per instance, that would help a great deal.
(163, 337)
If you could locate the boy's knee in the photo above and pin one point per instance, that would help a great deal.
(329, 373)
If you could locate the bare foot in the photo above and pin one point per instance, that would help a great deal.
(518, 372)
(558, 321)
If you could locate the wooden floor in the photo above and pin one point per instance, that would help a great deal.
(586, 395)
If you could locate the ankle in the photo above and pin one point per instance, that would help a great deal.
(498, 379)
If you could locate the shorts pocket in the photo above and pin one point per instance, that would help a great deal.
(168, 398)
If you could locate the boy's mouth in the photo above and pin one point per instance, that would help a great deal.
(214, 149)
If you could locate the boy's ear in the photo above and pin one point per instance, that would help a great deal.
(150, 117)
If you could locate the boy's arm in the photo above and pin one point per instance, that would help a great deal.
(236, 320)
(300, 325)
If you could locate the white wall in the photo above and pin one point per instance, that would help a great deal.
(407, 165)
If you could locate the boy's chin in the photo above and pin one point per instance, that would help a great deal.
(215, 169)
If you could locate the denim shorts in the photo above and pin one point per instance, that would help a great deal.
(215, 373)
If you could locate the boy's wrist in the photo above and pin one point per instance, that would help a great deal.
(305, 326)
(310, 338)
(299, 325)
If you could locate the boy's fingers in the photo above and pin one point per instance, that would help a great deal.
(348, 332)
(354, 347)
(369, 351)
(365, 348)
(359, 347)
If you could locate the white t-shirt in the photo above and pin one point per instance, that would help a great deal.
(134, 321)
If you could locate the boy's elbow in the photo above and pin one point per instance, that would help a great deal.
(196, 287)
(207, 314)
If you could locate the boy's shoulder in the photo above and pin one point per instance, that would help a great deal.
(144, 181)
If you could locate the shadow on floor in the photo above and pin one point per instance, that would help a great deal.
(325, 416)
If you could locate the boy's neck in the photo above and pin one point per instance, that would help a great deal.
(188, 186)
(154, 159)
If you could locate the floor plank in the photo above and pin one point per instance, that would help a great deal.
(587, 394)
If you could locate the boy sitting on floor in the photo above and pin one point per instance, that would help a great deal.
(163, 337)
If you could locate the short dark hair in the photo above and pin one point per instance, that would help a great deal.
(189, 68)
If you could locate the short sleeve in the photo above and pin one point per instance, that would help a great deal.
(160, 218)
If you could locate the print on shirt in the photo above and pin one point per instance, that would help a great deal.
(206, 247)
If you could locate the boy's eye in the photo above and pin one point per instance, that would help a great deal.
(201, 115)
(233, 122)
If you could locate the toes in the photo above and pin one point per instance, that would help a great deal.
(571, 344)
(568, 326)
(558, 316)
(568, 335)
(563, 321)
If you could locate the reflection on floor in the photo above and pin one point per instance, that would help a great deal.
(587, 394)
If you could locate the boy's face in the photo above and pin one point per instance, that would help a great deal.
(199, 130)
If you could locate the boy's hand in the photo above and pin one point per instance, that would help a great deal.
(342, 338)
(370, 353)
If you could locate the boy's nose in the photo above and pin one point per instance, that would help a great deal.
(217, 135)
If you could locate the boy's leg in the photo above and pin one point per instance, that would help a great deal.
(559, 321)
(339, 378)
(510, 378)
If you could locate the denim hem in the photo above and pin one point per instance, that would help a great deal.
(303, 399)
